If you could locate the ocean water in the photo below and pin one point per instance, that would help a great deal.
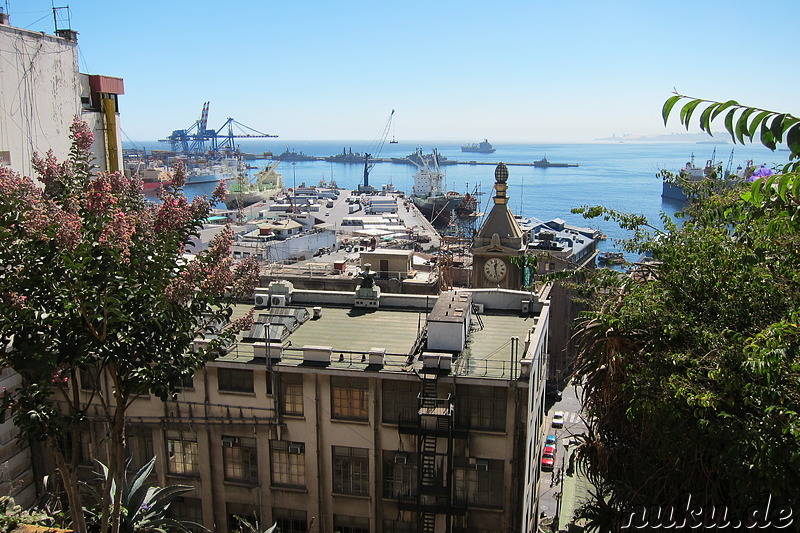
(621, 176)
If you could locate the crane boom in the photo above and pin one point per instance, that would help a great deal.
(376, 147)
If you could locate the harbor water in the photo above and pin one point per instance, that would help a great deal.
(621, 176)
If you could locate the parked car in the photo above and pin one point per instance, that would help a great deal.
(550, 440)
(558, 419)
(548, 458)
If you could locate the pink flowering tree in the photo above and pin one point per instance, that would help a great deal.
(95, 278)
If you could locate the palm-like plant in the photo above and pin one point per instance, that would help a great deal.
(144, 505)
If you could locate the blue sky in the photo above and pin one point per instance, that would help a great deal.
(509, 71)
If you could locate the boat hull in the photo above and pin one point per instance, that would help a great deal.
(437, 209)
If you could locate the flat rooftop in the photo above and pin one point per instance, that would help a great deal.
(351, 333)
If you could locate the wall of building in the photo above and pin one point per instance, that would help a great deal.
(16, 475)
(39, 95)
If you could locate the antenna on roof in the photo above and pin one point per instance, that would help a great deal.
(62, 23)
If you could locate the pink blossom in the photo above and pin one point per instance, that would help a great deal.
(81, 135)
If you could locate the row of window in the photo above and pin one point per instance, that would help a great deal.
(189, 511)
(478, 483)
(478, 408)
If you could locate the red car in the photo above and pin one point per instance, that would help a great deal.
(548, 458)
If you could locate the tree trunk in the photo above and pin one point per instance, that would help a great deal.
(71, 488)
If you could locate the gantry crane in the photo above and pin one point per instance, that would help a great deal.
(197, 139)
(375, 147)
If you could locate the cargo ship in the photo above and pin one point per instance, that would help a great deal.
(428, 194)
(484, 147)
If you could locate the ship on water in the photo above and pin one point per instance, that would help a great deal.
(244, 192)
(347, 156)
(291, 155)
(417, 158)
(544, 163)
(213, 171)
(428, 194)
(483, 147)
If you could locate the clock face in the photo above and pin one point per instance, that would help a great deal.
(495, 269)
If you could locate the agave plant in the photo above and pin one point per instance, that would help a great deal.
(144, 505)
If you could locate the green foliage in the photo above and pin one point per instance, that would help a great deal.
(93, 277)
(254, 526)
(741, 122)
(690, 369)
(144, 505)
(12, 515)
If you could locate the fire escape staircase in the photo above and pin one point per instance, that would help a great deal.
(435, 445)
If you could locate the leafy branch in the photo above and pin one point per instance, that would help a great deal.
(742, 122)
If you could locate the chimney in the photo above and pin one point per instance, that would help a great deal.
(3, 18)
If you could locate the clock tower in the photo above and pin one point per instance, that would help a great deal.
(499, 239)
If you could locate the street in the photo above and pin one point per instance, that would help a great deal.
(550, 484)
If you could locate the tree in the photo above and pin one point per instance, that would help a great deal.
(93, 279)
(691, 369)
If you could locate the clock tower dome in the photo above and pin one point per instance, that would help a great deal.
(498, 239)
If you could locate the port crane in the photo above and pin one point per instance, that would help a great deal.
(375, 147)
(198, 139)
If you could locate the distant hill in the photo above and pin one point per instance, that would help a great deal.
(719, 138)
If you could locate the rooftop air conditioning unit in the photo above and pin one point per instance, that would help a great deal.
(262, 300)
(278, 300)
(296, 448)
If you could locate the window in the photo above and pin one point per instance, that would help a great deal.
(479, 482)
(290, 520)
(288, 463)
(399, 401)
(83, 447)
(350, 524)
(398, 526)
(187, 382)
(349, 398)
(182, 452)
(481, 408)
(399, 475)
(241, 459)
(90, 378)
(139, 442)
(351, 470)
(292, 394)
(235, 380)
(188, 511)
(240, 511)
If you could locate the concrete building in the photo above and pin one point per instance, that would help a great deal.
(560, 246)
(415, 414)
(41, 92)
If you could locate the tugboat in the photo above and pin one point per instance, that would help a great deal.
(484, 147)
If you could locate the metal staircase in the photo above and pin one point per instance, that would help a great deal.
(435, 445)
